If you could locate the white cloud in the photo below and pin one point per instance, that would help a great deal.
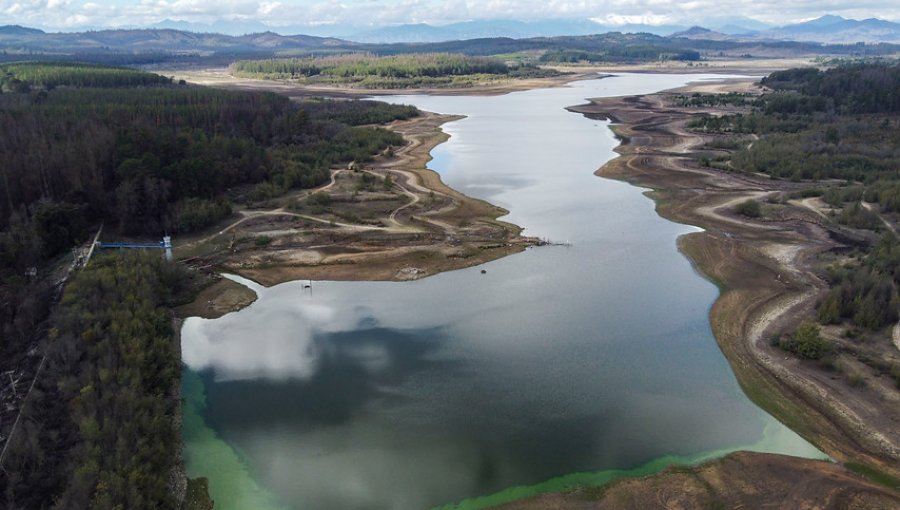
(70, 13)
(637, 19)
(76, 20)
(267, 8)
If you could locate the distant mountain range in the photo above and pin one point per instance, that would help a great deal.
(496, 28)
(835, 29)
(520, 30)
(14, 37)
(146, 46)
(423, 32)
(826, 29)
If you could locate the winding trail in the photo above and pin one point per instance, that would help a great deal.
(433, 228)
(868, 206)
(409, 184)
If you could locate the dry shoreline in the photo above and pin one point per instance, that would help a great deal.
(430, 228)
(738, 480)
(765, 275)
(763, 271)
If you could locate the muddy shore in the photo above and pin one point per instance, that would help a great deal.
(764, 270)
(739, 480)
(766, 275)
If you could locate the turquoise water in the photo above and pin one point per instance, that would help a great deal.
(592, 359)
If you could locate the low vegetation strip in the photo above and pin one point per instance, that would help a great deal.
(394, 71)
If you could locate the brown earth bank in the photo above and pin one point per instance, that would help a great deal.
(766, 272)
(739, 480)
(216, 298)
(390, 219)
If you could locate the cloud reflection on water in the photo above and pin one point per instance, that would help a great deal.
(282, 339)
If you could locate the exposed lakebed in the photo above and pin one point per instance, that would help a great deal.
(561, 359)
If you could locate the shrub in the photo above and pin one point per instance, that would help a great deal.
(749, 208)
(807, 342)
(319, 199)
(193, 214)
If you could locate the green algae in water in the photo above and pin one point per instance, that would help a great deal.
(231, 484)
(564, 483)
(775, 440)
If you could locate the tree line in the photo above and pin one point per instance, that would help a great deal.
(366, 64)
(21, 76)
(638, 53)
(391, 71)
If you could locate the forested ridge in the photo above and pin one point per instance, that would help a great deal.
(847, 89)
(85, 145)
(20, 76)
(132, 156)
(838, 131)
(98, 430)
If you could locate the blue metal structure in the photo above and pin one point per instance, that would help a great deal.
(165, 244)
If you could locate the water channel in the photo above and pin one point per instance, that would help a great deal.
(558, 360)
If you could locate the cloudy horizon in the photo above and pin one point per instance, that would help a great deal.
(82, 14)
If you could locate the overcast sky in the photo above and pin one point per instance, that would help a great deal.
(110, 13)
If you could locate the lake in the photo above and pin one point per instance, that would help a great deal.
(559, 360)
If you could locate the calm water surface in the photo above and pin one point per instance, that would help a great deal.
(558, 360)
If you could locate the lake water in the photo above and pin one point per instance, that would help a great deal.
(597, 356)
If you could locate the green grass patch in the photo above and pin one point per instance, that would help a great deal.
(874, 475)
